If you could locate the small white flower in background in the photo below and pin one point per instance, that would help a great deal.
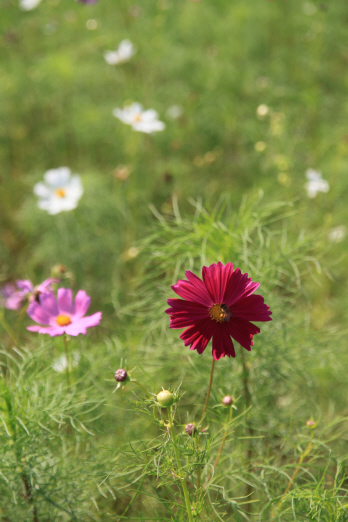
(126, 50)
(60, 365)
(262, 110)
(337, 234)
(60, 191)
(315, 183)
(28, 5)
(138, 119)
(175, 111)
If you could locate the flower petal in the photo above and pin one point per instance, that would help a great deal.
(252, 308)
(215, 278)
(238, 286)
(50, 330)
(81, 304)
(199, 335)
(185, 313)
(79, 326)
(49, 305)
(57, 177)
(38, 314)
(222, 343)
(193, 290)
(64, 300)
(242, 331)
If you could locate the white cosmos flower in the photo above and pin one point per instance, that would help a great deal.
(60, 365)
(140, 120)
(315, 183)
(61, 191)
(126, 50)
(28, 5)
(337, 234)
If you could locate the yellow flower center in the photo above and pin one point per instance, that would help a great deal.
(60, 192)
(137, 117)
(220, 313)
(63, 320)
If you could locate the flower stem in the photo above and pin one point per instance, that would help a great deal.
(221, 447)
(303, 456)
(247, 398)
(141, 386)
(66, 349)
(183, 482)
(208, 392)
(7, 328)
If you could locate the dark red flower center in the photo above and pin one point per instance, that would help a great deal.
(220, 313)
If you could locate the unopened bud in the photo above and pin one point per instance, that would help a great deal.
(120, 375)
(190, 429)
(165, 398)
(311, 424)
(227, 401)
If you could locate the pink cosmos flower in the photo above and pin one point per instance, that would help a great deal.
(219, 307)
(15, 295)
(62, 315)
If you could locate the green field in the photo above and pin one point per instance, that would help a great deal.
(260, 90)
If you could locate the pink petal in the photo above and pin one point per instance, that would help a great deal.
(46, 285)
(81, 304)
(80, 325)
(64, 301)
(185, 313)
(38, 314)
(238, 287)
(222, 343)
(25, 285)
(193, 290)
(242, 331)
(216, 277)
(14, 301)
(199, 335)
(252, 308)
(49, 304)
(50, 330)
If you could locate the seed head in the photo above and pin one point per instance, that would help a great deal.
(190, 429)
(227, 401)
(165, 398)
(121, 375)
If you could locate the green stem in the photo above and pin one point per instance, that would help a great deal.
(67, 361)
(7, 328)
(182, 480)
(247, 398)
(208, 393)
(141, 386)
(221, 447)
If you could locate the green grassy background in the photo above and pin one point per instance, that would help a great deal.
(218, 60)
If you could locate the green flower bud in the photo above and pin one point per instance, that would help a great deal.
(165, 398)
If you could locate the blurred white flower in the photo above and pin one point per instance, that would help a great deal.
(175, 111)
(138, 119)
(28, 5)
(337, 234)
(315, 183)
(262, 110)
(61, 191)
(60, 365)
(126, 50)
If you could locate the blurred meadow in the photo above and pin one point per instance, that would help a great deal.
(253, 95)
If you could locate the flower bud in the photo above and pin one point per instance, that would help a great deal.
(190, 429)
(311, 424)
(165, 398)
(227, 401)
(120, 375)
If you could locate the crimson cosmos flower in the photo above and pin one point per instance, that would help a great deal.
(219, 307)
